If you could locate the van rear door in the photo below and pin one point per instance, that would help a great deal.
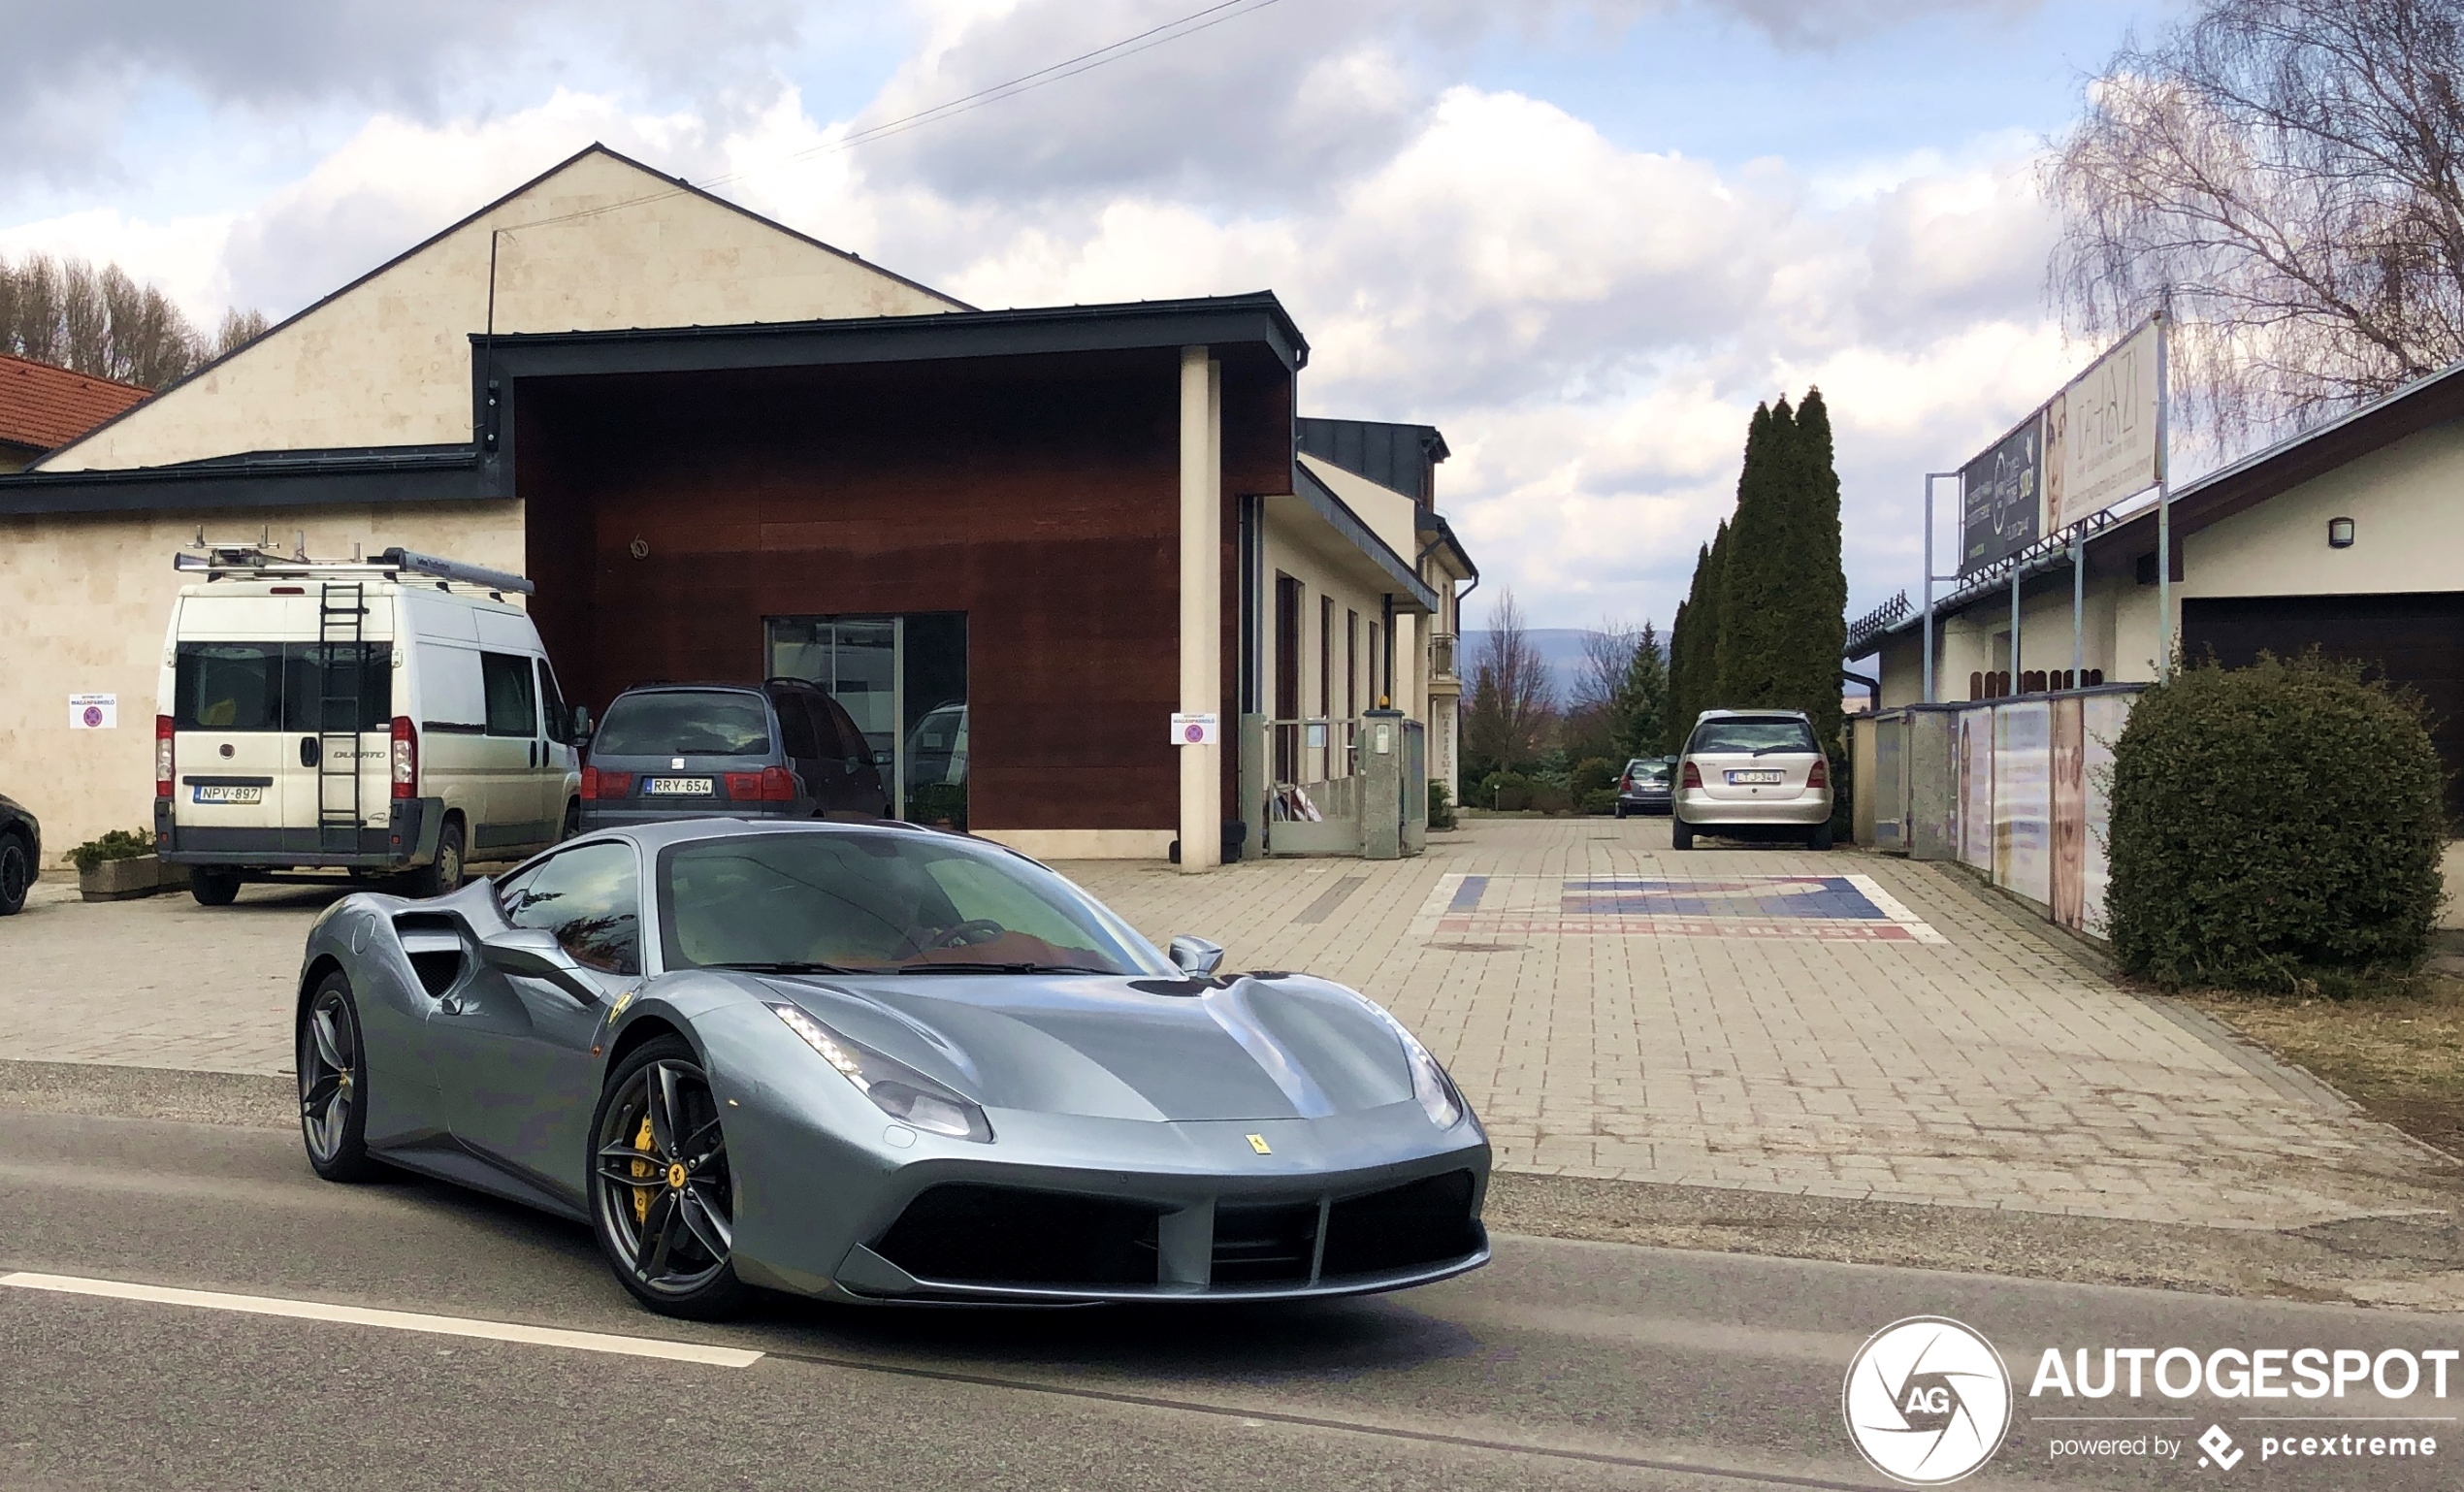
(227, 739)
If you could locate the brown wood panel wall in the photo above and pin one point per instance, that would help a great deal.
(1038, 495)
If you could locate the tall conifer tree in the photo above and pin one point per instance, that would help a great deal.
(1754, 643)
(1817, 605)
(1680, 637)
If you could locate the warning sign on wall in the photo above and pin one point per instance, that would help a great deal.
(93, 712)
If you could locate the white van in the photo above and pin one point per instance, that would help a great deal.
(385, 716)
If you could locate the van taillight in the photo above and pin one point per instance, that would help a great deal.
(405, 759)
(1692, 777)
(163, 762)
(1820, 775)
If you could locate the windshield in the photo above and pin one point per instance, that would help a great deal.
(874, 901)
(1647, 771)
(1750, 737)
(685, 723)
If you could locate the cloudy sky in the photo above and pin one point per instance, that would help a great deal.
(1583, 239)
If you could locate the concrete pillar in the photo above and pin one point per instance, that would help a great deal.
(1201, 604)
(1382, 764)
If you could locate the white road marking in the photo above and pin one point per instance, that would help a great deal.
(391, 1320)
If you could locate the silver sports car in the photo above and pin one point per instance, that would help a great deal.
(882, 1063)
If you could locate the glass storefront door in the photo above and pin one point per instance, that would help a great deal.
(903, 680)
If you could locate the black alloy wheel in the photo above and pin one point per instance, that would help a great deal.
(663, 1198)
(333, 1083)
(16, 872)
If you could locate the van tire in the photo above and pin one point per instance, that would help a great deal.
(213, 886)
(573, 819)
(442, 874)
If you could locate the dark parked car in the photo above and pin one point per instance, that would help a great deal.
(21, 854)
(779, 750)
(1644, 787)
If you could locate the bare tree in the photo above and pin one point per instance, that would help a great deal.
(1512, 701)
(1608, 651)
(2291, 172)
(101, 321)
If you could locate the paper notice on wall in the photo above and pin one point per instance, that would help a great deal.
(93, 712)
(1193, 730)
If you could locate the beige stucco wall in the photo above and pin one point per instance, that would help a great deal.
(1388, 513)
(389, 363)
(87, 602)
(1300, 544)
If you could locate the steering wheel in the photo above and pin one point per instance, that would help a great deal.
(975, 929)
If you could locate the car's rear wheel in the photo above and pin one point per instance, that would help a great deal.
(16, 872)
(663, 1197)
(443, 873)
(1680, 834)
(212, 886)
(333, 1083)
(1819, 839)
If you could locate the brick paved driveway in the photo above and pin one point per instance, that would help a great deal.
(1840, 1024)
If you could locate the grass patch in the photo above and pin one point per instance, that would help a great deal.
(2394, 1045)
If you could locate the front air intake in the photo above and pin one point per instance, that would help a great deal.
(970, 1234)
(1424, 1222)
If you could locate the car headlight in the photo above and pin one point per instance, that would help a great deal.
(1429, 1081)
(894, 1087)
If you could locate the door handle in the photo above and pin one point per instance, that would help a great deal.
(534, 753)
(308, 751)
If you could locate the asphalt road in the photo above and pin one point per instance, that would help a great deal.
(1562, 1365)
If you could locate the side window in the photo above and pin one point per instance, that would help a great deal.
(826, 738)
(513, 707)
(591, 899)
(850, 740)
(560, 721)
(795, 727)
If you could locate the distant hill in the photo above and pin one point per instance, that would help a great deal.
(1561, 648)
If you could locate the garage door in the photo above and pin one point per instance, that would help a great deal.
(2415, 639)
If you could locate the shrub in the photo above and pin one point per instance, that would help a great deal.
(118, 844)
(1550, 797)
(1597, 800)
(1441, 806)
(1504, 791)
(2273, 823)
(1590, 775)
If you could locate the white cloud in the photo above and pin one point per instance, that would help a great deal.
(1590, 324)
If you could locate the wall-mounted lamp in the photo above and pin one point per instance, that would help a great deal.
(2338, 533)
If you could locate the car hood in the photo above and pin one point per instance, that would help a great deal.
(1248, 1048)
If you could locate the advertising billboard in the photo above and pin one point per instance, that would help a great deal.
(2100, 433)
(2001, 498)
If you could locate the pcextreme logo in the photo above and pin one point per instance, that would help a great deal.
(1928, 1401)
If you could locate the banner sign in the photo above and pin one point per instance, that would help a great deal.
(2100, 433)
(2001, 498)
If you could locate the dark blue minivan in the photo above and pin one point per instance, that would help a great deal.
(776, 750)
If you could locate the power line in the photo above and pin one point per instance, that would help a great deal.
(1203, 19)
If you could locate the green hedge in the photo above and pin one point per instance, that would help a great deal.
(2271, 824)
(1441, 806)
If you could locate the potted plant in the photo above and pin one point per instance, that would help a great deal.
(118, 866)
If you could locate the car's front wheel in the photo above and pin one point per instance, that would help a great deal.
(16, 872)
(663, 1196)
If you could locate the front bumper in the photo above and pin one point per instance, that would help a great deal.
(408, 839)
(1806, 810)
(826, 1181)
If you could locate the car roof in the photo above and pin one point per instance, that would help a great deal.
(1753, 715)
(660, 836)
(674, 686)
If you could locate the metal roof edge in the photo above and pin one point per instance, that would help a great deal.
(1322, 501)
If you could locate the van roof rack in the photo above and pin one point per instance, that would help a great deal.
(257, 559)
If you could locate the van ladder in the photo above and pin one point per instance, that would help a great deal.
(341, 627)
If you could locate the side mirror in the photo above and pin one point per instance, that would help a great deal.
(533, 953)
(1196, 957)
(578, 724)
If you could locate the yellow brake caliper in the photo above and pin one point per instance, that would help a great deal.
(642, 1169)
